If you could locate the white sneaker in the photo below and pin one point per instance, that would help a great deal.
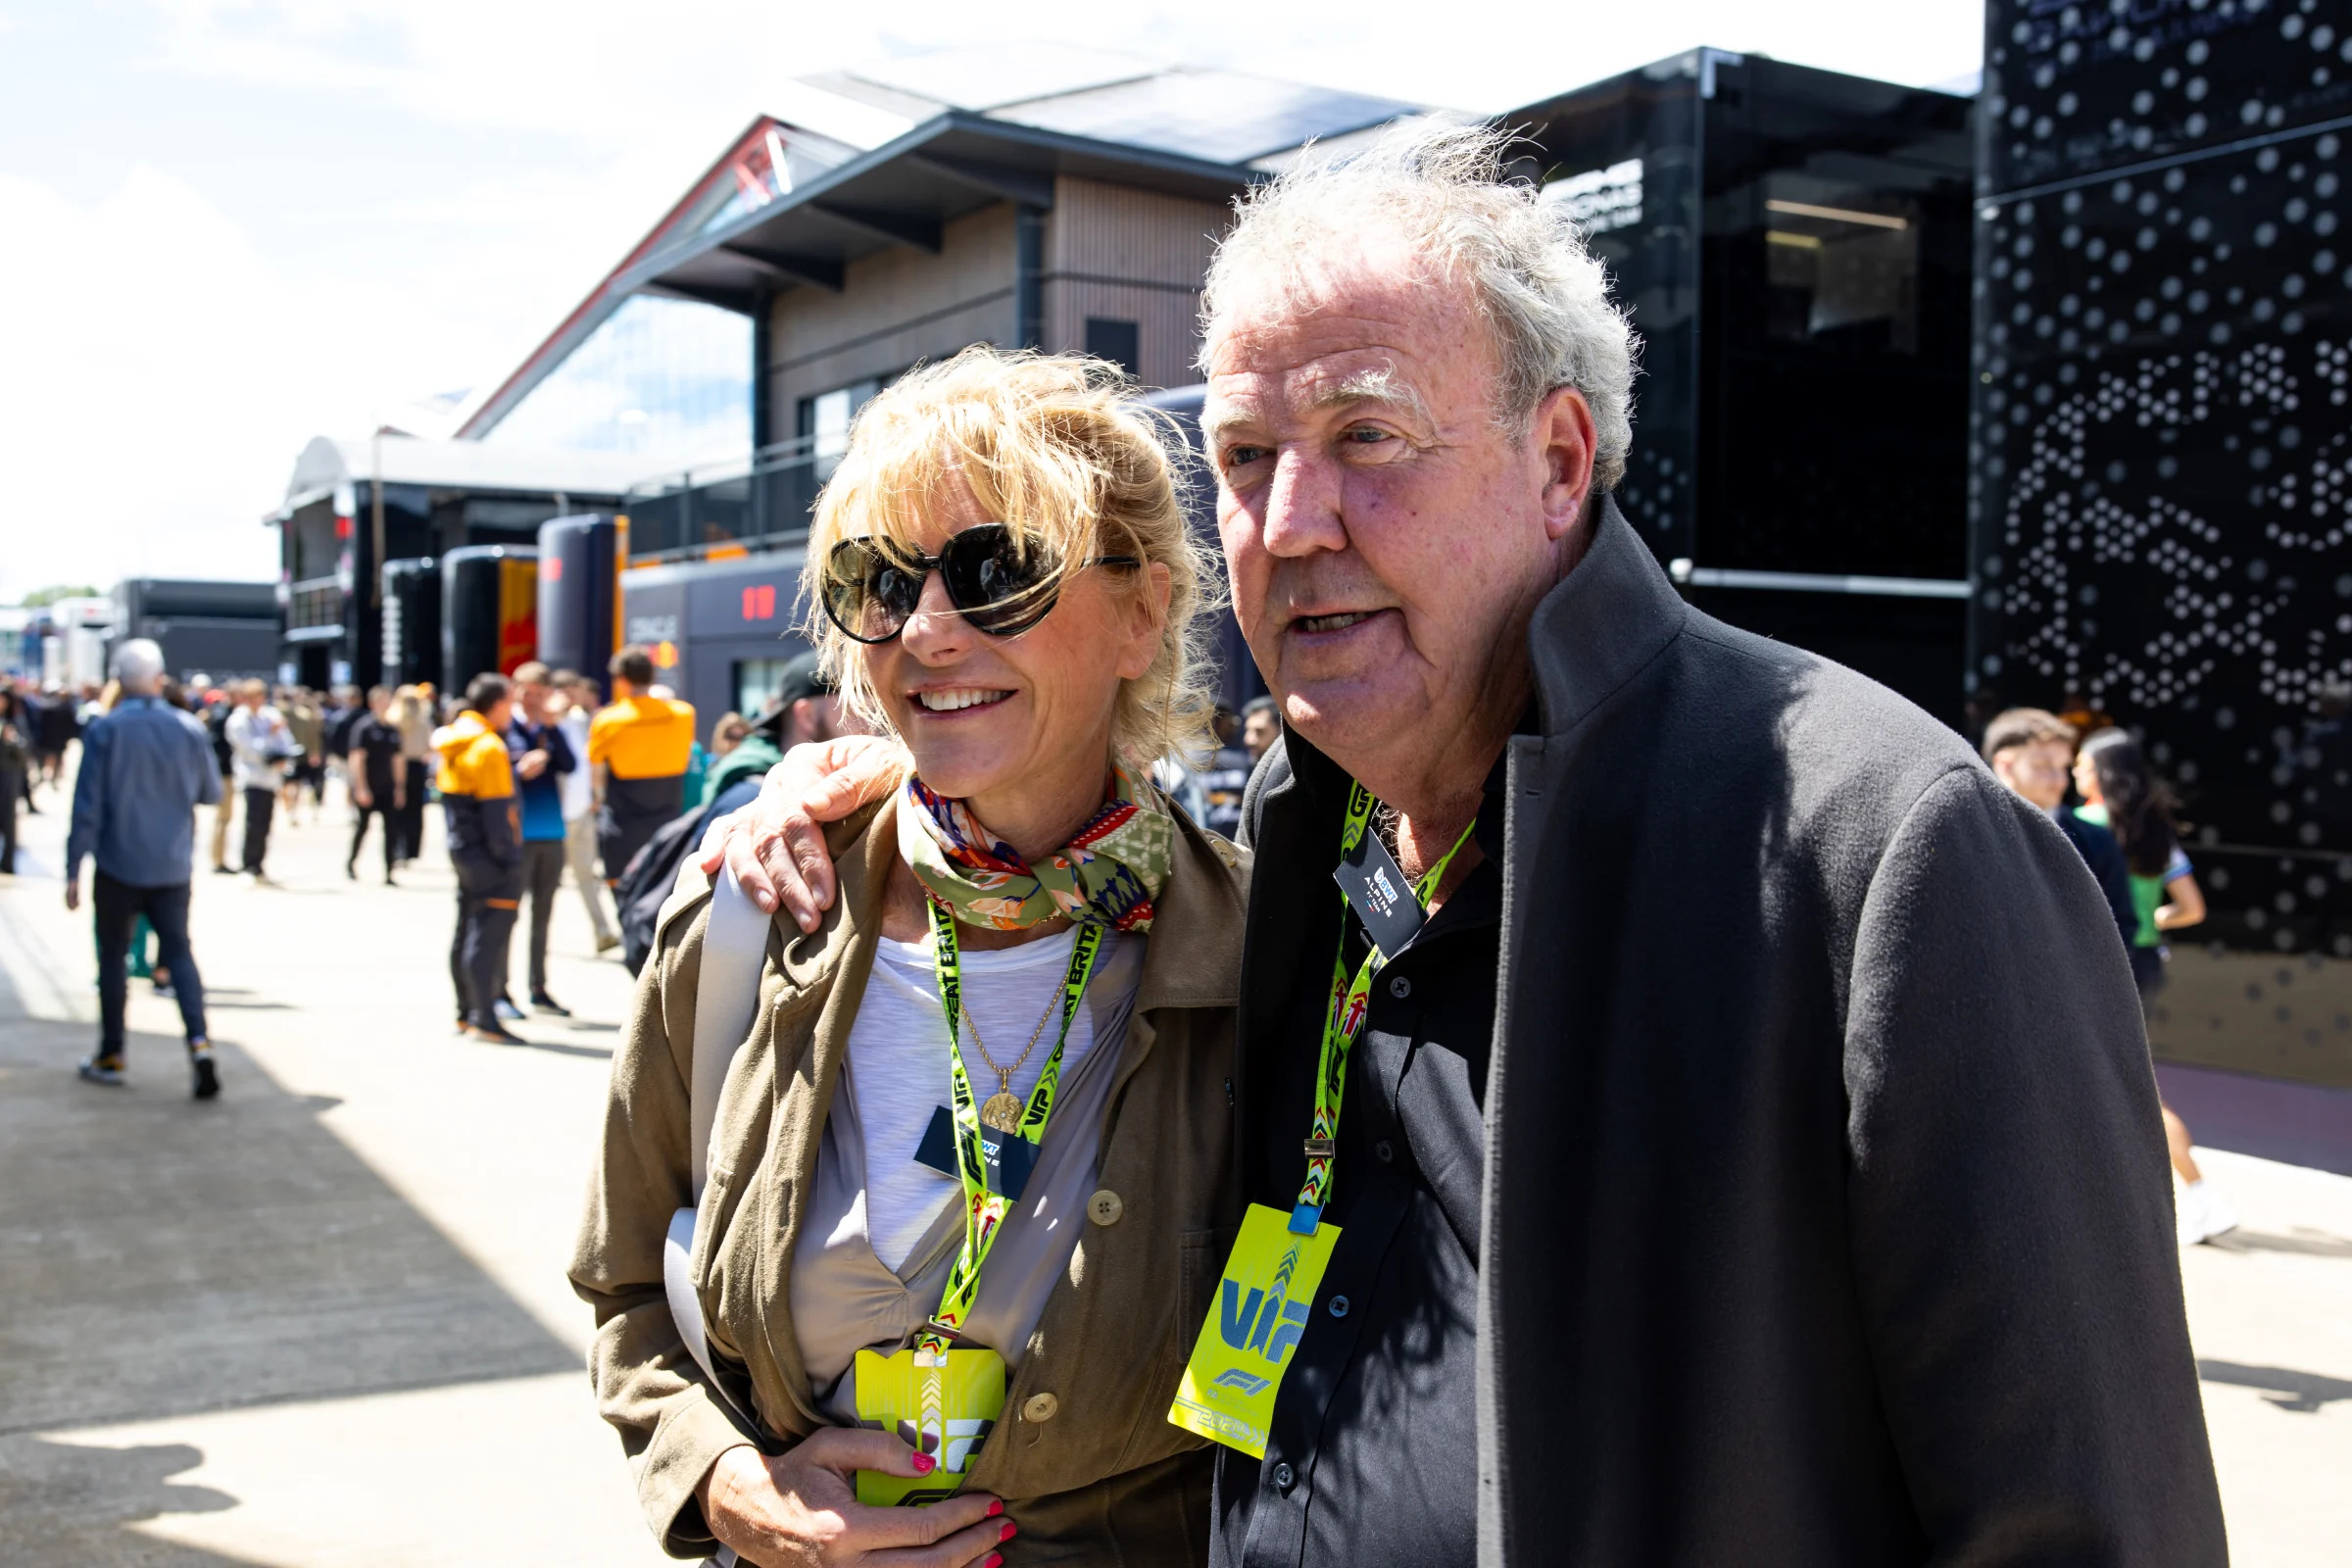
(2201, 1212)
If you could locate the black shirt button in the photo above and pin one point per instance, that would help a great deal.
(1400, 986)
(1283, 1478)
(1382, 1152)
(1339, 1306)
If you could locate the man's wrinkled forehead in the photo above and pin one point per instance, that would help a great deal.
(1301, 346)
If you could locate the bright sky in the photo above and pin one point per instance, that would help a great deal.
(229, 225)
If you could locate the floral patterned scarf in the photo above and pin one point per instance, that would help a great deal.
(1106, 875)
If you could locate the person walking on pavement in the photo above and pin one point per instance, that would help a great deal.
(575, 701)
(2121, 794)
(144, 771)
(640, 746)
(219, 706)
(543, 760)
(412, 715)
(16, 763)
(307, 725)
(485, 845)
(378, 782)
(260, 746)
(56, 725)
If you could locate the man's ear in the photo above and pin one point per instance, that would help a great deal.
(1561, 433)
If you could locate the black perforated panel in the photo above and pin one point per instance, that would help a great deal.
(2073, 89)
(2161, 461)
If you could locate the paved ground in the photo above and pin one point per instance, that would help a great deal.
(322, 1321)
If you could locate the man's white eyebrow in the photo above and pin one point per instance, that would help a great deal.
(1382, 385)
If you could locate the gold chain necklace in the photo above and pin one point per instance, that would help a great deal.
(1001, 1110)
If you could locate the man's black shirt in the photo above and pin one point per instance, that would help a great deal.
(1372, 1458)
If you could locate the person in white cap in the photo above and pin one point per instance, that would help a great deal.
(145, 768)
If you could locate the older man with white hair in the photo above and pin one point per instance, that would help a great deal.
(1749, 1149)
(145, 768)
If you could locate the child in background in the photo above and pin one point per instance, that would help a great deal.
(2121, 794)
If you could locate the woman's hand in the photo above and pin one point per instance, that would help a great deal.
(801, 1509)
(776, 845)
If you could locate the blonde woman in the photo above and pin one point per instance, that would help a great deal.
(1007, 587)
(410, 713)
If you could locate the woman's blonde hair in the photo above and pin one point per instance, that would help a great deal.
(1053, 446)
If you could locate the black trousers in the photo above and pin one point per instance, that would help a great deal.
(488, 897)
(411, 817)
(359, 834)
(115, 908)
(259, 807)
(12, 785)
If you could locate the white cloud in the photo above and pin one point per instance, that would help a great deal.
(142, 401)
(164, 368)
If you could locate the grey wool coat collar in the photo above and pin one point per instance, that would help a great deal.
(1827, 1218)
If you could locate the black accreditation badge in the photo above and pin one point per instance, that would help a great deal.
(1381, 894)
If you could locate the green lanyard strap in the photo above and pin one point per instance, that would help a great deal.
(984, 1211)
(1344, 1019)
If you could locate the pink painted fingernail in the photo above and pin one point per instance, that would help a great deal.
(994, 1507)
(995, 1559)
(924, 1464)
(1010, 1531)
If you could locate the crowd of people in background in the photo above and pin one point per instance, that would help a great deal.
(537, 776)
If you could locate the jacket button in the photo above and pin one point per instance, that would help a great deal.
(1105, 1207)
(1400, 986)
(1384, 1151)
(1339, 1306)
(1284, 1478)
(1040, 1408)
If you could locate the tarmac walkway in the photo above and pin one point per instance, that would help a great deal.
(322, 1321)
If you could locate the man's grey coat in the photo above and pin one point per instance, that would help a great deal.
(1827, 1214)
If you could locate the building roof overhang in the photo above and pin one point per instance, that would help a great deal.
(328, 466)
(905, 193)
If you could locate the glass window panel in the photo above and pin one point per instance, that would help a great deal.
(1215, 115)
(669, 378)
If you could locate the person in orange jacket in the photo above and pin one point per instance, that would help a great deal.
(640, 746)
(485, 845)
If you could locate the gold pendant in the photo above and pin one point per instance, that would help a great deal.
(1002, 1112)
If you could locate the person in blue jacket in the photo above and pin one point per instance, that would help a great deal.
(145, 768)
(542, 758)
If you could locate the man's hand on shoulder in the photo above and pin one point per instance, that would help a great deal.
(776, 845)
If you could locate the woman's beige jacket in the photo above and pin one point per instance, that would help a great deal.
(1084, 1456)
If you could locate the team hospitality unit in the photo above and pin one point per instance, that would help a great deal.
(1563, 1080)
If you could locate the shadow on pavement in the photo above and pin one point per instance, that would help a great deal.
(600, 1053)
(2306, 1241)
(160, 1256)
(65, 1504)
(2303, 1393)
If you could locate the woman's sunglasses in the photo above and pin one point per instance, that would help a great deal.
(1000, 588)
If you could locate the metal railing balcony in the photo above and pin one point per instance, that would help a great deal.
(724, 507)
(314, 602)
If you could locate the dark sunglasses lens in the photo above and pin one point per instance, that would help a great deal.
(999, 589)
(868, 595)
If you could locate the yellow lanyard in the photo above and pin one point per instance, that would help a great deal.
(984, 1211)
(1344, 1019)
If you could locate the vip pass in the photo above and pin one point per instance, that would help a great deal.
(1267, 1292)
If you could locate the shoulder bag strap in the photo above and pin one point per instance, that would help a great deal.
(725, 996)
